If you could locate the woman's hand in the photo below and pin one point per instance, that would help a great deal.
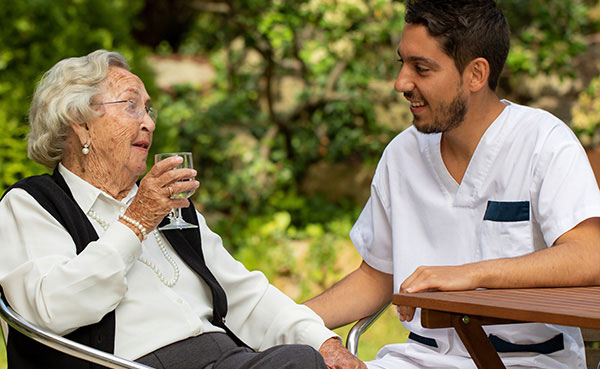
(336, 356)
(153, 199)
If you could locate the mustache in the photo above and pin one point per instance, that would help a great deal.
(412, 96)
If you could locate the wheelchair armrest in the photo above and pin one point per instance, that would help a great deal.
(359, 328)
(62, 344)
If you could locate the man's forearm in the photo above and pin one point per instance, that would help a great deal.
(361, 293)
(572, 261)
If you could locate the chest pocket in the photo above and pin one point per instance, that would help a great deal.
(506, 229)
(507, 211)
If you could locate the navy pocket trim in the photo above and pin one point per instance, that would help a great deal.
(548, 347)
(424, 340)
(554, 344)
(507, 211)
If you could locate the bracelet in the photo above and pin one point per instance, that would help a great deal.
(135, 223)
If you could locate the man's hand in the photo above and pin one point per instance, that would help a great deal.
(571, 261)
(338, 357)
(437, 278)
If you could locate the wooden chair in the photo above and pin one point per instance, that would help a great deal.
(69, 347)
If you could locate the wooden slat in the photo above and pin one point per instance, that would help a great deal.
(575, 306)
(443, 319)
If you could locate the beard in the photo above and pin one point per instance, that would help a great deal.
(453, 114)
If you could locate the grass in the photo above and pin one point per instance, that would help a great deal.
(2, 351)
(387, 329)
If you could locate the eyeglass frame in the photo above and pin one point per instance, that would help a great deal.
(148, 109)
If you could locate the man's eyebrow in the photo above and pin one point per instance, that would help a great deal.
(420, 59)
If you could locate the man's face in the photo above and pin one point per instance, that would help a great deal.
(430, 81)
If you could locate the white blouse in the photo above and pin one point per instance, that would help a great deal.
(53, 287)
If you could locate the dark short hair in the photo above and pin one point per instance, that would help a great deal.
(466, 30)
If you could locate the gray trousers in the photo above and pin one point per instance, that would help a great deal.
(218, 351)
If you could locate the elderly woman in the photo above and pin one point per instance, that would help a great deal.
(81, 255)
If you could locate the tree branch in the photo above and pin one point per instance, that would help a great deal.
(220, 7)
(335, 75)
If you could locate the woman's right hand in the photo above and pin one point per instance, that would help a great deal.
(153, 199)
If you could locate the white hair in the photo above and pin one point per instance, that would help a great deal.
(64, 96)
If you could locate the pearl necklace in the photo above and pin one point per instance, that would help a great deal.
(104, 224)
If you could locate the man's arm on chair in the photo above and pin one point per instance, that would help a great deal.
(361, 293)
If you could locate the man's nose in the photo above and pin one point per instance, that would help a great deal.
(403, 82)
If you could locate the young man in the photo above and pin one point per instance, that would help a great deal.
(478, 193)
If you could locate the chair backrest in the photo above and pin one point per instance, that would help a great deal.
(69, 347)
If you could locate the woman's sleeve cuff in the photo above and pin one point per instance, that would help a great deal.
(123, 241)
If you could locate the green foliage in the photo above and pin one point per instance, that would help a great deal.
(34, 36)
(13, 151)
(292, 89)
(295, 86)
(547, 34)
(586, 115)
(298, 84)
(306, 253)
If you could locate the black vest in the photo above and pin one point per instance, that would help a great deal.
(53, 194)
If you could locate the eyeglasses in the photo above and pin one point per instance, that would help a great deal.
(134, 109)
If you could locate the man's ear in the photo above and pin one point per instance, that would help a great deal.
(478, 74)
(82, 131)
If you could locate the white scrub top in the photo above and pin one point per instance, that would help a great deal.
(528, 182)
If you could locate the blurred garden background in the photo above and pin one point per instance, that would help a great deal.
(286, 106)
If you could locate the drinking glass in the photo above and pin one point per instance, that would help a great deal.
(176, 220)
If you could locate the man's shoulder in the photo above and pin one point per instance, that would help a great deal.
(408, 133)
(536, 118)
(530, 125)
(409, 140)
(408, 150)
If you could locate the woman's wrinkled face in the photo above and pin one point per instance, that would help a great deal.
(120, 138)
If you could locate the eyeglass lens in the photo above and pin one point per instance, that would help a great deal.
(137, 109)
